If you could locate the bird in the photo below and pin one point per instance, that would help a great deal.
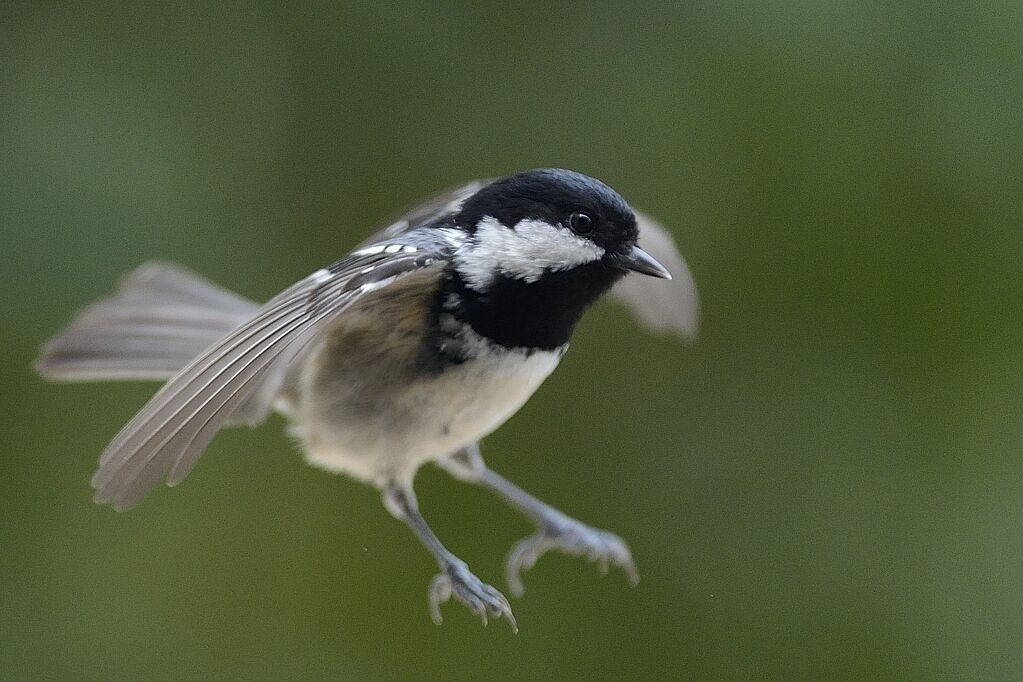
(420, 342)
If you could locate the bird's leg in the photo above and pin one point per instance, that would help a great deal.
(454, 578)
(554, 530)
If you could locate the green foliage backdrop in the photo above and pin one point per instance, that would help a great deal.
(828, 485)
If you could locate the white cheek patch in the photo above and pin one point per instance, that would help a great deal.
(524, 252)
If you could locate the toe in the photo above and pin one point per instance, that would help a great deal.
(522, 557)
(481, 599)
(438, 593)
(598, 546)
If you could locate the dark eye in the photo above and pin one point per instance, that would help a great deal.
(581, 222)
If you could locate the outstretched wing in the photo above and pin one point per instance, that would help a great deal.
(169, 434)
(161, 317)
(671, 307)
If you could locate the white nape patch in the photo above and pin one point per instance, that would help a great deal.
(524, 252)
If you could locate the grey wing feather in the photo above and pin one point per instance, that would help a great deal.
(444, 204)
(169, 434)
(157, 280)
(161, 317)
(662, 306)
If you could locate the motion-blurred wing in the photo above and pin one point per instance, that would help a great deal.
(434, 209)
(161, 317)
(170, 433)
(662, 306)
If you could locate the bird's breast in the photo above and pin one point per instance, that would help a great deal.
(370, 406)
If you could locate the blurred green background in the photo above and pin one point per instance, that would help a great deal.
(828, 485)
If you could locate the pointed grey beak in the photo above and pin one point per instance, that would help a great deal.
(642, 262)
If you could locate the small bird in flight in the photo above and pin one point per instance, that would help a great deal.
(423, 340)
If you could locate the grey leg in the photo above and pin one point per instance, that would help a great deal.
(454, 578)
(555, 530)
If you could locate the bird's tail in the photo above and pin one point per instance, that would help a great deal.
(161, 318)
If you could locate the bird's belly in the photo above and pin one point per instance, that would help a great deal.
(382, 433)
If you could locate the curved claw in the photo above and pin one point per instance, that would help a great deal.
(438, 593)
(523, 556)
(575, 539)
(458, 582)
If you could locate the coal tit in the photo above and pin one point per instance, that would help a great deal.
(409, 350)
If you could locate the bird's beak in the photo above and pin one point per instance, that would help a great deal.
(642, 262)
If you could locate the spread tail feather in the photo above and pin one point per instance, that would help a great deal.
(161, 318)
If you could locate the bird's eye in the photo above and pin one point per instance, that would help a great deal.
(581, 222)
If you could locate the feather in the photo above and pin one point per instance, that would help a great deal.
(169, 434)
(161, 317)
(669, 307)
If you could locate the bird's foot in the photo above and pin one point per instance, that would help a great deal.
(457, 581)
(574, 538)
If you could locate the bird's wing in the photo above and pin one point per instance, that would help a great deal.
(665, 307)
(169, 434)
(161, 317)
(431, 211)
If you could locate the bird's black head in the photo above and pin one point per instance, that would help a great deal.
(540, 247)
(560, 198)
(546, 221)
